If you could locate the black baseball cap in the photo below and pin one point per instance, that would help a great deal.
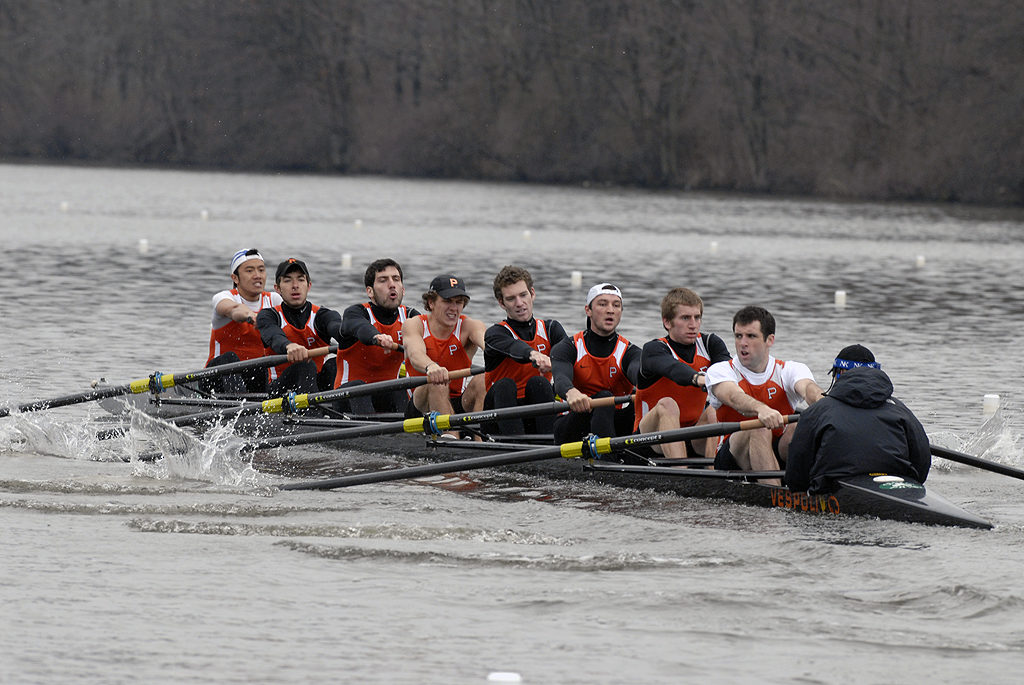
(291, 264)
(852, 356)
(449, 286)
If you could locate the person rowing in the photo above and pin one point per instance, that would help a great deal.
(857, 427)
(233, 334)
(295, 327)
(516, 362)
(757, 384)
(370, 346)
(442, 340)
(671, 390)
(595, 362)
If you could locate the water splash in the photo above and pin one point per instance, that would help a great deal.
(216, 457)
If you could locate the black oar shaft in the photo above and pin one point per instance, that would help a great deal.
(164, 381)
(567, 450)
(305, 401)
(977, 462)
(421, 424)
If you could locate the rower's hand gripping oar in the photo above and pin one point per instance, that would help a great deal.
(977, 462)
(299, 402)
(433, 423)
(590, 448)
(159, 382)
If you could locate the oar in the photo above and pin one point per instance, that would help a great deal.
(735, 474)
(569, 450)
(305, 401)
(158, 382)
(431, 424)
(978, 462)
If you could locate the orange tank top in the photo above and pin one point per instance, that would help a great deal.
(306, 337)
(770, 392)
(691, 400)
(593, 374)
(448, 352)
(520, 373)
(372, 363)
(240, 337)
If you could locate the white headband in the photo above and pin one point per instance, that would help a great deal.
(241, 257)
(603, 289)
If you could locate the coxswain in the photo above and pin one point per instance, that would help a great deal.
(595, 362)
(295, 327)
(857, 427)
(757, 384)
(442, 340)
(516, 357)
(370, 347)
(671, 390)
(233, 334)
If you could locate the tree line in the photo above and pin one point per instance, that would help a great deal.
(871, 99)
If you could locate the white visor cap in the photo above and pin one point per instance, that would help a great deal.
(603, 289)
(242, 256)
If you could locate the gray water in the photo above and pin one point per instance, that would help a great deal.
(197, 569)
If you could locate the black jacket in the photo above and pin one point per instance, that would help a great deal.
(858, 427)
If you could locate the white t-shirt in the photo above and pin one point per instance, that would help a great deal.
(218, 320)
(787, 377)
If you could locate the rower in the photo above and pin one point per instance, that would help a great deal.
(442, 340)
(370, 346)
(233, 334)
(858, 427)
(595, 362)
(671, 390)
(295, 327)
(516, 362)
(757, 384)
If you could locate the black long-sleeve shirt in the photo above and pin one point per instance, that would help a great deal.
(563, 358)
(500, 344)
(327, 324)
(657, 362)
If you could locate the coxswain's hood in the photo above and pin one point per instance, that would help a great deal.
(862, 387)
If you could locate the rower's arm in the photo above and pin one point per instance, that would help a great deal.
(809, 390)
(355, 323)
(415, 349)
(236, 311)
(732, 394)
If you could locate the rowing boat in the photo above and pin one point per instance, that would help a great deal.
(877, 495)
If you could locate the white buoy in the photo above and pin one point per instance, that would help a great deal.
(576, 279)
(989, 405)
(143, 246)
(504, 677)
(204, 215)
(526, 234)
(714, 247)
(840, 299)
(64, 206)
(357, 224)
(346, 261)
(920, 261)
